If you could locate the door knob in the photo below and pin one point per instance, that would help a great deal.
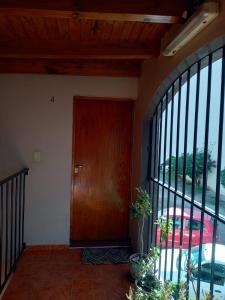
(77, 168)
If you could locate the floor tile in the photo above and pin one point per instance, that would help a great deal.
(48, 274)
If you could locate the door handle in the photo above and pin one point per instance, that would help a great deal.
(77, 168)
(217, 291)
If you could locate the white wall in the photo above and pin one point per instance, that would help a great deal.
(29, 121)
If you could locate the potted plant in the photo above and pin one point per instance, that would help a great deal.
(140, 209)
(158, 291)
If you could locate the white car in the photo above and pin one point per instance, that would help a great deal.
(205, 275)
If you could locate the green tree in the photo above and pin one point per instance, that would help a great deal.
(222, 177)
(199, 165)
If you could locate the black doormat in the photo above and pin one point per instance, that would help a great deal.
(99, 256)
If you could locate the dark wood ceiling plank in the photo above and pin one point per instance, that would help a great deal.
(8, 29)
(106, 31)
(63, 29)
(116, 32)
(52, 28)
(75, 30)
(160, 11)
(85, 30)
(68, 50)
(125, 34)
(146, 33)
(136, 33)
(40, 26)
(94, 68)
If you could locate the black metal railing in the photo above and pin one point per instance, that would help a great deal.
(187, 146)
(12, 205)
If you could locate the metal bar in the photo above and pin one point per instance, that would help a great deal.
(151, 218)
(8, 199)
(169, 179)
(11, 223)
(205, 169)
(15, 227)
(185, 155)
(157, 192)
(164, 168)
(195, 203)
(152, 172)
(25, 171)
(170, 168)
(193, 176)
(1, 233)
(20, 210)
(219, 159)
(6, 227)
(23, 210)
(177, 156)
(154, 137)
(156, 162)
(186, 131)
(147, 183)
(184, 169)
(195, 132)
(193, 170)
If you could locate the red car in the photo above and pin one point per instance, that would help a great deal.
(196, 226)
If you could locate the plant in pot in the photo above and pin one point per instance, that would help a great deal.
(140, 209)
(148, 281)
(147, 285)
(159, 291)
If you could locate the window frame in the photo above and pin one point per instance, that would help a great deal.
(160, 183)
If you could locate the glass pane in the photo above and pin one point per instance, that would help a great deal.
(153, 147)
(182, 132)
(187, 251)
(174, 137)
(219, 268)
(201, 130)
(190, 135)
(168, 131)
(222, 175)
(162, 141)
(158, 128)
(213, 131)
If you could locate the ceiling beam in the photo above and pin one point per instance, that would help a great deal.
(160, 11)
(82, 67)
(30, 49)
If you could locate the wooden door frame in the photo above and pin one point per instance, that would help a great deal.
(75, 98)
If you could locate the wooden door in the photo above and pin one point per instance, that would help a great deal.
(102, 146)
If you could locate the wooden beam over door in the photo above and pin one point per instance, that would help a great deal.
(131, 68)
(31, 49)
(160, 11)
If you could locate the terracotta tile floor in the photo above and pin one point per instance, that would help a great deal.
(58, 274)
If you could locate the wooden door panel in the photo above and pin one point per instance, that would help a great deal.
(102, 157)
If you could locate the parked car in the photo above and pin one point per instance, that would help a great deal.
(205, 274)
(196, 226)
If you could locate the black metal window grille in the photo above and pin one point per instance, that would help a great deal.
(12, 204)
(187, 178)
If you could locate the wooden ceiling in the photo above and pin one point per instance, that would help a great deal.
(85, 37)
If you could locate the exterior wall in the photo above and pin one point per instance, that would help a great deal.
(30, 122)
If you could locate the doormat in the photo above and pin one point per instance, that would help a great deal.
(99, 256)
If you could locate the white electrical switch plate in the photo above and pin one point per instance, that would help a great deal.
(37, 156)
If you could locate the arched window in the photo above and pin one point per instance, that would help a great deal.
(187, 177)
